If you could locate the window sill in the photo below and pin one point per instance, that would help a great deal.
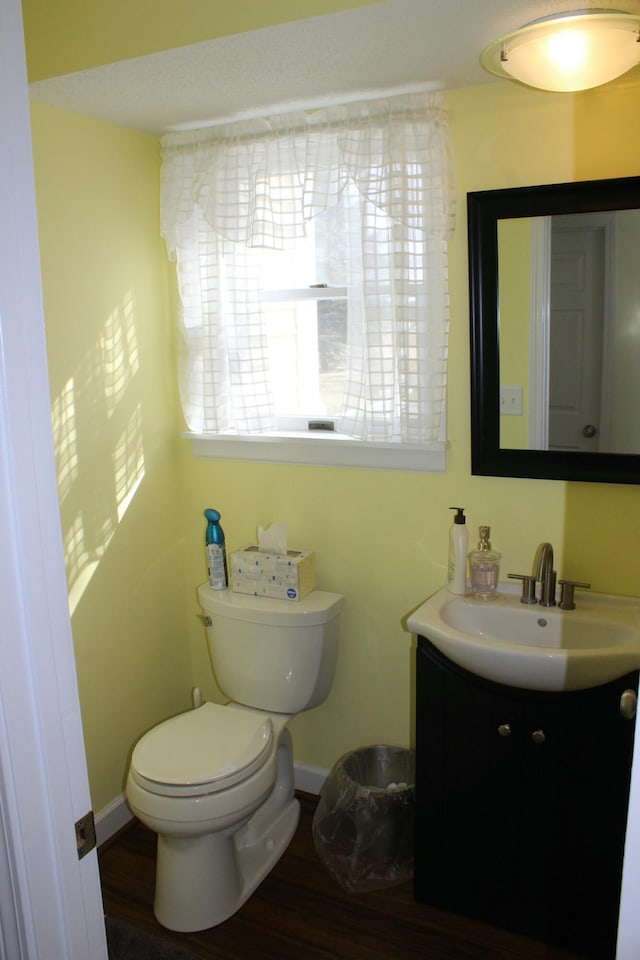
(320, 450)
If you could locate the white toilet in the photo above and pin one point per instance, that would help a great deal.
(216, 783)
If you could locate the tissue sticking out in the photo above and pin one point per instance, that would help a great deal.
(273, 539)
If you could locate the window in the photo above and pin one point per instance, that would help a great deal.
(312, 267)
(303, 293)
(307, 339)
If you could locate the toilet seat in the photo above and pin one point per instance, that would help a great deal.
(202, 751)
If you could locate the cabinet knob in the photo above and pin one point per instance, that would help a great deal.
(504, 730)
(538, 736)
(628, 704)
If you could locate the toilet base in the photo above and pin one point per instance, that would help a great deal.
(201, 881)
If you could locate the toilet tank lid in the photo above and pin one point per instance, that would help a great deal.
(317, 607)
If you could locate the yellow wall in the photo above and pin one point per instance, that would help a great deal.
(112, 385)
(380, 536)
(514, 306)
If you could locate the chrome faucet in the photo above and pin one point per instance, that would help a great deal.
(544, 573)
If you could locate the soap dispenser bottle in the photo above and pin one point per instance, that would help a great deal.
(216, 553)
(458, 544)
(484, 568)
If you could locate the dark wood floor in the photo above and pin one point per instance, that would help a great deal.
(301, 913)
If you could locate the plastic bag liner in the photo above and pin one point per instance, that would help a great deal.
(363, 824)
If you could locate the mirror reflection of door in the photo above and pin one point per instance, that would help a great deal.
(580, 318)
(594, 253)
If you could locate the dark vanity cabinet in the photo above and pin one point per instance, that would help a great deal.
(521, 803)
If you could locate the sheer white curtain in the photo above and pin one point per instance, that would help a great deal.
(229, 191)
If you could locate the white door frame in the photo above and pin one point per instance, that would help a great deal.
(539, 333)
(50, 901)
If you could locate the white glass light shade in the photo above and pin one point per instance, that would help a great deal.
(568, 53)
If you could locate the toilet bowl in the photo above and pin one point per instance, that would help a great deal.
(216, 783)
(200, 802)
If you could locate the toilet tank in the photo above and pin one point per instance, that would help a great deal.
(275, 655)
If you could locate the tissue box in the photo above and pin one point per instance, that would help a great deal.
(282, 577)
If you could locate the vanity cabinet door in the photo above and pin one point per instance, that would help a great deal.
(468, 755)
(521, 802)
(576, 776)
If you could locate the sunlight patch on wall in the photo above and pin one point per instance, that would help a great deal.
(128, 462)
(97, 420)
(78, 561)
(65, 438)
(119, 349)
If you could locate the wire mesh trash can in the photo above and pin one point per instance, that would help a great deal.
(363, 824)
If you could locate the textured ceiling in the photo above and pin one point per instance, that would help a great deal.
(399, 45)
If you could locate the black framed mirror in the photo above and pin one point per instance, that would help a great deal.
(554, 276)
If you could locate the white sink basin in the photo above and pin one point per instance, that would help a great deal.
(538, 648)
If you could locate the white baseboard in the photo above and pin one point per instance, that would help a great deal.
(117, 814)
(112, 818)
(309, 779)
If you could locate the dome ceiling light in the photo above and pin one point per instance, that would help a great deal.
(568, 52)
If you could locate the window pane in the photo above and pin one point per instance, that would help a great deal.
(307, 349)
(321, 257)
(331, 242)
(332, 349)
(308, 337)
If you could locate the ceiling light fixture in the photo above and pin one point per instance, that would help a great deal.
(568, 52)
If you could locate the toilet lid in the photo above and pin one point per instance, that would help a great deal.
(202, 751)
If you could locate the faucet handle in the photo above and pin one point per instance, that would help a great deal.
(528, 586)
(566, 593)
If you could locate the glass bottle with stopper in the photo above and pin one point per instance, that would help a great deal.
(484, 568)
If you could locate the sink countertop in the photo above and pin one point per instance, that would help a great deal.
(530, 646)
